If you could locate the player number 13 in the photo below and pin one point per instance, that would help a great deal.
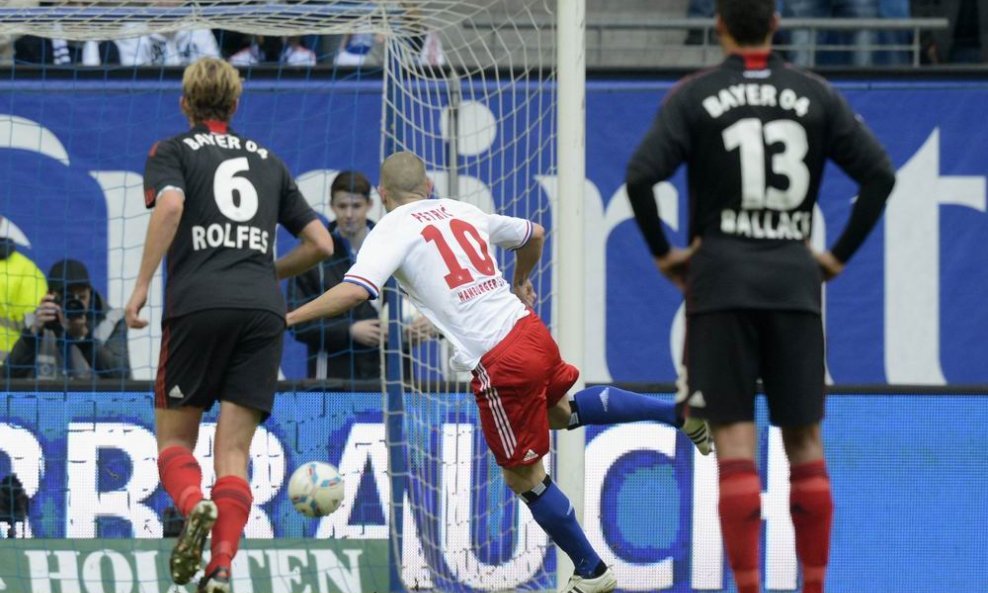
(751, 137)
(473, 246)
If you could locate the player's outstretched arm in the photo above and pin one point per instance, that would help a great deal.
(161, 232)
(335, 301)
(316, 245)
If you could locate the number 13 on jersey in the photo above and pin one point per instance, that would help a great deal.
(751, 137)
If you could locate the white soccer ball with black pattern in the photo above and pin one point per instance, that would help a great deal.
(316, 489)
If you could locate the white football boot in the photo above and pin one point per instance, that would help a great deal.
(605, 583)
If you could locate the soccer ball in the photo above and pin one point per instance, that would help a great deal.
(316, 489)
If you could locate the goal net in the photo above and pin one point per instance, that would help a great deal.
(470, 86)
(485, 125)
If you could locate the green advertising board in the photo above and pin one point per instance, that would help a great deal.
(141, 566)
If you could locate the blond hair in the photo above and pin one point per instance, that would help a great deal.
(210, 88)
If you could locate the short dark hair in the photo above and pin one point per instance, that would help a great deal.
(748, 21)
(353, 182)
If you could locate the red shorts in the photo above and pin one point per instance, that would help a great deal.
(515, 384)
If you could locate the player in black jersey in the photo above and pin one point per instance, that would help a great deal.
(754, 134)
(217, 198)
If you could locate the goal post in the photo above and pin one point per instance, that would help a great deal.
(569, 240)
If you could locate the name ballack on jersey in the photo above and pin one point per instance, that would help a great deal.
(766, 224)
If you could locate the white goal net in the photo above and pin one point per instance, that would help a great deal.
(485, 125)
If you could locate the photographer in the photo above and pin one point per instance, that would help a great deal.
(73, 334)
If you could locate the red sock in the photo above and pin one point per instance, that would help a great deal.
(812, 510)
(233, 499)
(741, 520)
(181, 476)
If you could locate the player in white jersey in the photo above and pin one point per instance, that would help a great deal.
(440, 251)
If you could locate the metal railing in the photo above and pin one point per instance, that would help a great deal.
(598, 29)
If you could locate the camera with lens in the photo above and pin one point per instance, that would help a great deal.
(72, 308)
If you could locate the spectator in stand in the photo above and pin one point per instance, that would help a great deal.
(965, 41)
(244, 49)
(168, 49)
(21, 287)
(344, 347)
(7, 41)
(355, 49)
(250, 50)
(428, 44)
(429, 47)
(296, 53)
(73, 334)
(30, 49)
(803, 38)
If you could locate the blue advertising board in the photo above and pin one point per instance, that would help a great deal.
(910, 491)
(907, 310)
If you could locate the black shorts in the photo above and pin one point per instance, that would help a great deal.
(728, 351)
(220, 354)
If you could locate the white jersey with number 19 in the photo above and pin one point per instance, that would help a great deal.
(440, 253)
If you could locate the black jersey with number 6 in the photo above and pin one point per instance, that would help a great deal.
(755, 134)
(236, 192)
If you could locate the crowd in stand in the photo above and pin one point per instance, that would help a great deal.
(964, 41)
(184, 47)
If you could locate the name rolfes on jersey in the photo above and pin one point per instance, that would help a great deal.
(235, 236)
(761, 223)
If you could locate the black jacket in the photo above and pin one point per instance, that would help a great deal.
(330, 339)
(102, 354)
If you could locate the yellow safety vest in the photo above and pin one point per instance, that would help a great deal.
(22, 285)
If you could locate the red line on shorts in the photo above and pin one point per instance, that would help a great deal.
(504, 431)
(160, 383)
